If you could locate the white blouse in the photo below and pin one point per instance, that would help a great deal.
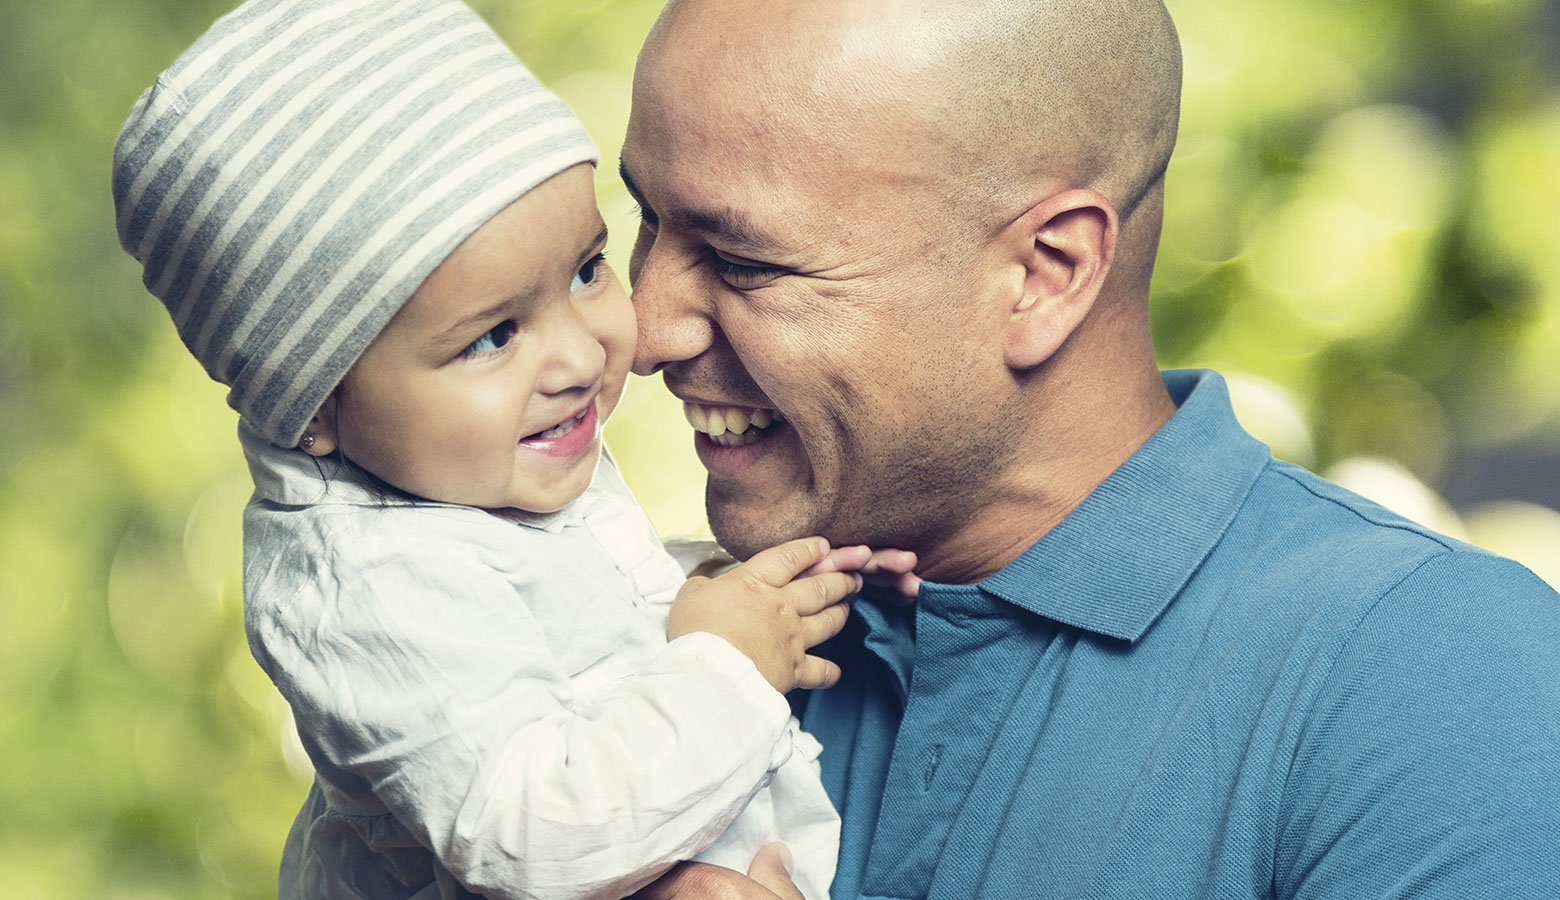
(491, 704)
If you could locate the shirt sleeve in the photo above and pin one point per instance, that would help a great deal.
(425, 675)
(1431, 767)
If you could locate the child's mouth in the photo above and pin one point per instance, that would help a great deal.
(569, 437)
(561, 429)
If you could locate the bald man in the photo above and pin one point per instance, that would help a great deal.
(895, 258)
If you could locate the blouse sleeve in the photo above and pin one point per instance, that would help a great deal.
(422, 673)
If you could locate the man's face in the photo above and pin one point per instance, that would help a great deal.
(800, 285)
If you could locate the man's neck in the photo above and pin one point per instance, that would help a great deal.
(1093, 431)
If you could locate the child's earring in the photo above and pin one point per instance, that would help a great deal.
(319, 436)
(316, 446)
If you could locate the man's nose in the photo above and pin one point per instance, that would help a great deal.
(675, 315)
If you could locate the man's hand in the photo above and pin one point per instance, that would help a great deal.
(772, 610)
(768, 878)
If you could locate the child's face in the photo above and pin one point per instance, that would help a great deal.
(490, 386)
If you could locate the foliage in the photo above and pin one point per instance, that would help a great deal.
(1360, 230)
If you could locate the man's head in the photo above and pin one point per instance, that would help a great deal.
(903, 228)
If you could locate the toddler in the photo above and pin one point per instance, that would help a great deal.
(372, 224)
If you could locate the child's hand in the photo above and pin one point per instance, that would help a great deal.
(772, 609)
(885, 568)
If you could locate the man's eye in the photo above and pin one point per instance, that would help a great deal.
(589, 272)
(495, 339)
(739, 275)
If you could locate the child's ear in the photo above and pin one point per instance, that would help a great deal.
(1066, 244)
(319, 438)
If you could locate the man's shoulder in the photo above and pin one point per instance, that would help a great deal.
(1336, 510)
(1343, 550)
(1325, 530)
(1437, 695)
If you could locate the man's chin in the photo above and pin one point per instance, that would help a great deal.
(744, 531)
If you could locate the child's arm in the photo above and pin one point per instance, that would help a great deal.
(426, 677)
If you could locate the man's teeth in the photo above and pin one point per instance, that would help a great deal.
(730, 426)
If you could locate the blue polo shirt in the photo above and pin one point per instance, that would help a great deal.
(1220, 676)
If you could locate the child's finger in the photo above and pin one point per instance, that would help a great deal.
(889, 561)
(817, 672)
(842, 559)
(824, 624)
(810, 594)
(894, 569)
(908, 586)
(778, 565)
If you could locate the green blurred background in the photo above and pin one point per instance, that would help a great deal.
(1363, 219)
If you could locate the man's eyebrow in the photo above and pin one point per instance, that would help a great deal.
(730, 224)
(735, 229)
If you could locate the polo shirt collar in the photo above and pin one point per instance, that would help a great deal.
(1116, 562)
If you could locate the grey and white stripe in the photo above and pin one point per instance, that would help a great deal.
(294, 176)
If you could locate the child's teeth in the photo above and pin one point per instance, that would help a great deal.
(564, 427)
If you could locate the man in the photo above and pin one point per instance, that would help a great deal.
(896, 259)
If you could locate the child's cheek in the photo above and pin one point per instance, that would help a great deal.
(619, 338)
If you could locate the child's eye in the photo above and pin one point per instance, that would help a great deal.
(496, 337)
(589, 272)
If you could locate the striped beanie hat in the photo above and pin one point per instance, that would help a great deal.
(299, 171)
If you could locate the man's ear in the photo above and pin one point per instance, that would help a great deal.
(319, 438)
(1066, 244)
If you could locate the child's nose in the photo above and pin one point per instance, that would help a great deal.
(575, 358)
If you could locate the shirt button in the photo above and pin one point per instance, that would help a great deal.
(929, 770)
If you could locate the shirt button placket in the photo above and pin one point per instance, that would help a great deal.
(950, 718)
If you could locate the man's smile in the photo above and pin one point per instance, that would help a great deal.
(741, 443)
(732, 426)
